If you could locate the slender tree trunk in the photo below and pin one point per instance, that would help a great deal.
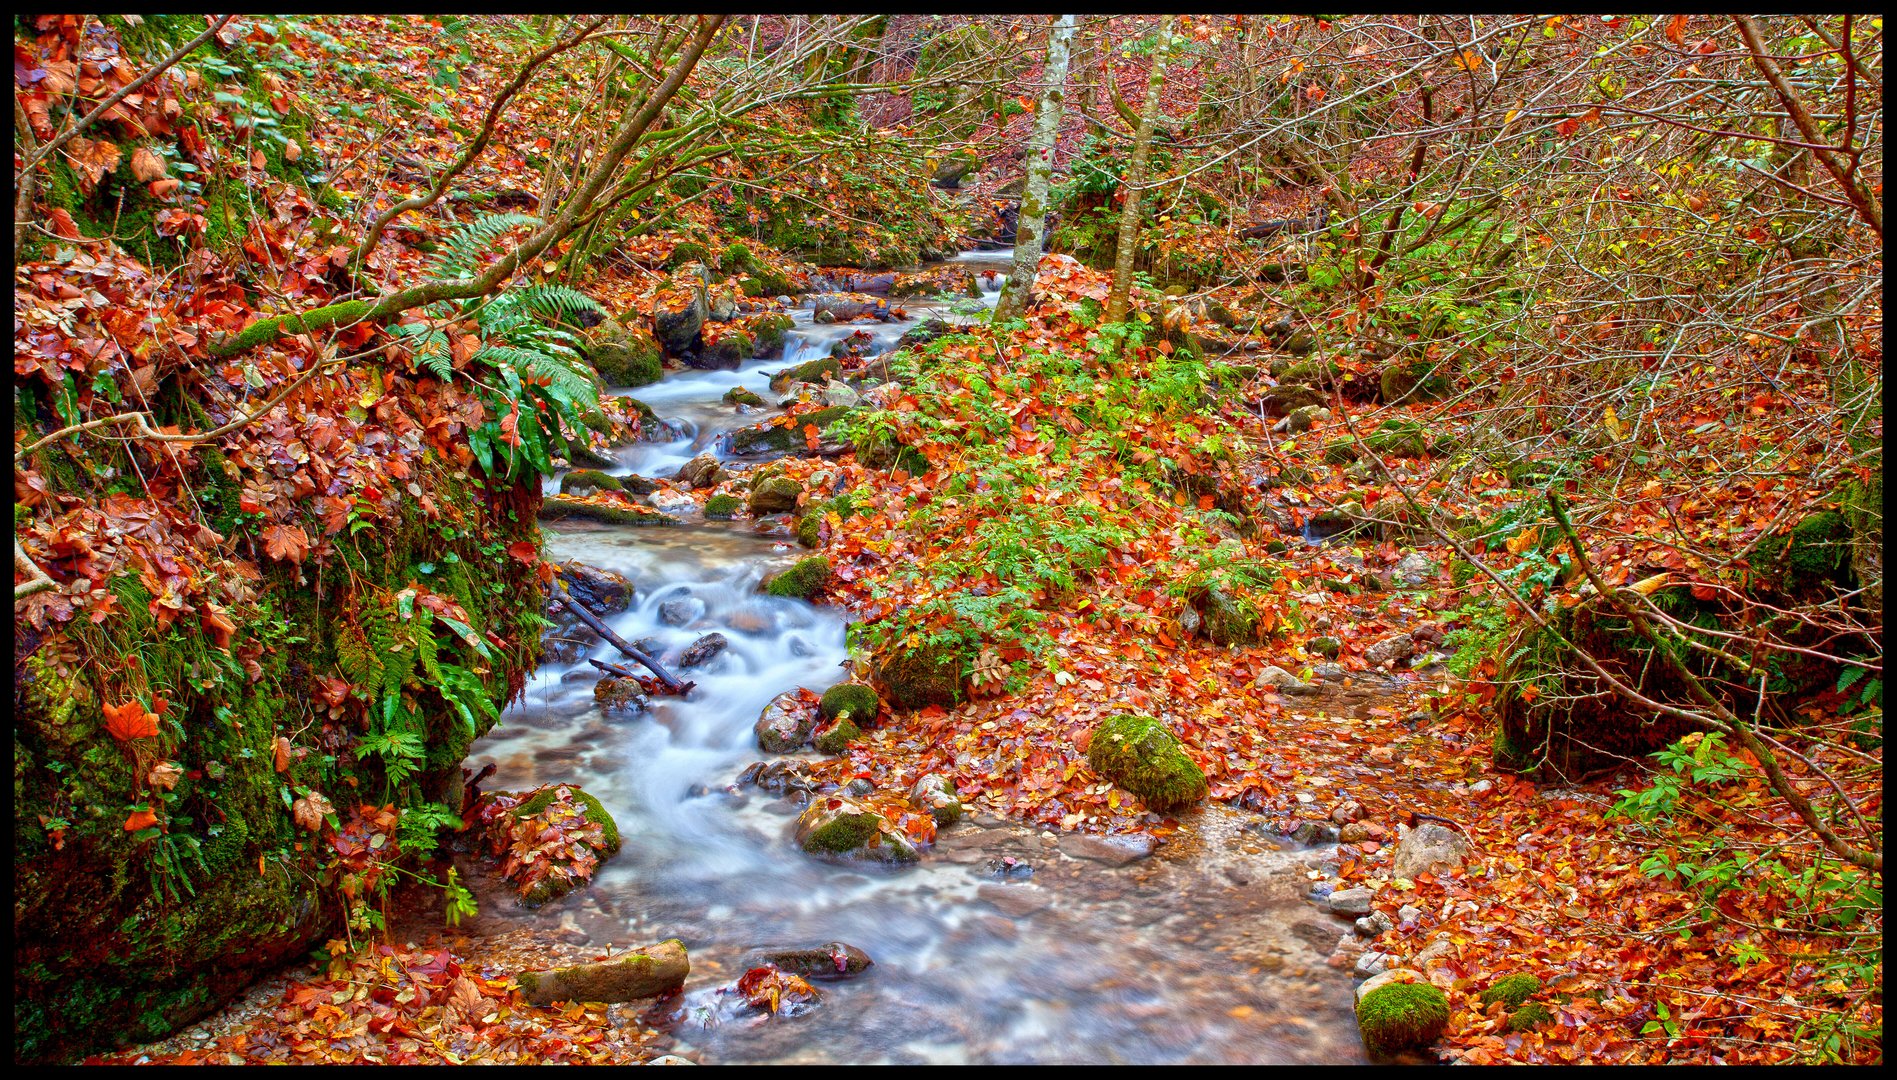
(1135, 179)
(1018, 292)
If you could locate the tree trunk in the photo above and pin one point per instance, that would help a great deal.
(1018, 292)
(1135, 179)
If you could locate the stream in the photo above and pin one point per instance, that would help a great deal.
(1205, 951)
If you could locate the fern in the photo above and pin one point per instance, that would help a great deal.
(464, 247)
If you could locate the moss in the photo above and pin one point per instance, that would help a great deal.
(560, 508)
(810, 529)
(1140, 755)
(736, 259)
(774, 494)
(814, 371)
(855, 699)
(928, 674)
(1399, 438)
(880, 450)
(763, 281)
(264, 331)
(1511, 989)
(688, 252)
(838, 736)
(624, 356)
(1412, 381)
(1529, 1016)
(843, 833)
(801, 581)
(760, 440)
(738, 395)
(595, 812)
(591, 479)
(731, 349)
(1401, 1016)
(722, 507)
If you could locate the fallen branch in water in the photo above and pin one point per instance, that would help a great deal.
(613, 669)
(672, 685)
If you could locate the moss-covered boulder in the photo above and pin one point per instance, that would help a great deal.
(774, 495)
(928, 674)
(802, 581)
(594, 810)
(1402, 1016)
(936, 794)
(723, 507)
(688, 252)
(587, 481)
(1399, 438)
(649, 972)
(623, 355)
(820, 370)
(563, 508)
(772, 437)
(1529, 1016)
(842, 828)
(1412, 380)
(859, 701)
(728, 350)
(879, 449)
(838, 736)
(738, 395)
(1139, 754)
(768, 333)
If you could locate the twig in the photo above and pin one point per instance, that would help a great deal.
(626, 647)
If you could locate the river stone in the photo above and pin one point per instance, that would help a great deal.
(1117, 849)
(602, 591)
(839, 394)
(1351, 901)
(648, 972)
(702, 650)
(778, 777)
(1374, 924)
(1285, 682)
(616, 693)
(1385, 978)
(775, 494)
(834, 960)
(936, 794)
(786, 724)
(677, 321)
(1373, 963)
(1314, 832)
(841, 827)
(681, 612)
(702, 471)
(671, 1059)
(1391, 650)
(1014, 901)
(1429, 848)
(1414, 570)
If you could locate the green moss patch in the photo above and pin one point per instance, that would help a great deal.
(595, 812)
(1511, 989)
(1402, 1016)
(930, 674)
(838, 736)
(1139, 754)
(801, 581)
(723, 507)
(584, 481)
(559, 508)
(855, 699)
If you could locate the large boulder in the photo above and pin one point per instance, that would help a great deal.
(679, 312)
(1141, 755)
(928, 674)
(653, 971)
(843, 828)
(622, 355)
(1429, 848)
(786, 724)
(803, 580)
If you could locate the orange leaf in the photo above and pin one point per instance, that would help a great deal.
(130, 721)
(525, 551)
(147, 166)
(288, 543)
(810, 436)
(283, 754)
(140, 819)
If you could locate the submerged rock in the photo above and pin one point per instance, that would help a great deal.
(833, 960)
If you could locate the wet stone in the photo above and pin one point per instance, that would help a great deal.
(681, 612)
(703, 650)
(1115, 850)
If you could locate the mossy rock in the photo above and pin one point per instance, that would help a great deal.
(587, 481)
(769, 332)
(687, 252)
(1402, 1016)
(802, 581)
(838, 736)
(820, 370)
(595, 812)
(623, 356)
(856, 699)
(772, 438)
(560, 508)
(763, 281)
(1399, 438)
(731, 350)
(1227, 618)
(738, 395)
(928, 674)
(1511, 990)
(1409, 381)
(774, 495)
(1813, 554)
(736, 259)
(723, 507)
(1140, 755)
(810, 529)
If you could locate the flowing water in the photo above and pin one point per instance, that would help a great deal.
(1204, 952)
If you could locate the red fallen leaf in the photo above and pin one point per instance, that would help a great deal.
(1704, 592)
(140, 819)
(257, 160)
(283, 754)
(130, 721)
(162, 189)
(292, 150)
(147, 166)
(810, 436)
(525, 551)
(288, 543)
(62, 224)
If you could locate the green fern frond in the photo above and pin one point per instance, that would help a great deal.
(463, 248)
